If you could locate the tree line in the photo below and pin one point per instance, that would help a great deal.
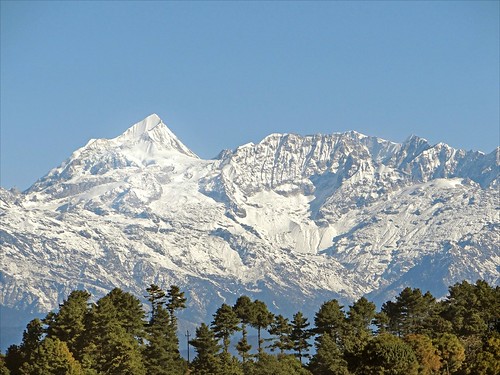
(412, 334)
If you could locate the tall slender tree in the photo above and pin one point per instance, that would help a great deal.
(225, 324)
(281, 329)
(175, 301)
(300, 336)
(261, 319)
(206, 361)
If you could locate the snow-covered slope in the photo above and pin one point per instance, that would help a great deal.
(292, 220)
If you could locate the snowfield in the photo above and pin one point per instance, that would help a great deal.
(293, 220)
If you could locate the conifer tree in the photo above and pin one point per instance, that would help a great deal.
(206, 361)
(51, 357)
(175, 301)
(281, 329)
(156, 297)
(300, 336)
(330, 319)
(114, 335)
(161, 355)
(68, 324)
(244, 311)
(328, 359)
(261, 318)
(17, 355)
(225, 323)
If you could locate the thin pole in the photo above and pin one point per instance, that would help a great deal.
(188, 336)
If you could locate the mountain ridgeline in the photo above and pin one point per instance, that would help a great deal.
(292, 221)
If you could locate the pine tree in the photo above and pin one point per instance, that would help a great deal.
(261, 318)
(328, 358)
(175, 301)
(225, 323)
(68, 324)
(244, 309)
(17, 355)
(281, 329)
(330, 319)
(206, 361)
(156, 297)
(51, 357)
(300, 336)
(161, 355)
(114, 335)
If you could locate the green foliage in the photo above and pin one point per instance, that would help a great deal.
(427, 354)
(68, 324)
(458, 335)
(156, 297)
(51, 357)
(328, 359)
(175, 301)
(451, 351)
(206, 346)
(261, 318)
(277, 365)
(225, 323)
(300, 336)
(330, 319)
(282, 331)
(473, 309)
(488, 361)
(388, 354)
(3, 367)
(161, 355)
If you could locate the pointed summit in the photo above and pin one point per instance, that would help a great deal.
(153, 130)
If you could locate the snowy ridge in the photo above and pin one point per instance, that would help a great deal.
(292, 220)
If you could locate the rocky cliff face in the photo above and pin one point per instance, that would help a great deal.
(292, 220)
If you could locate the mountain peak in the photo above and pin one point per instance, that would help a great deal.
(153, 129)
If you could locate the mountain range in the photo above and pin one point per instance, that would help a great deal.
(292, 220)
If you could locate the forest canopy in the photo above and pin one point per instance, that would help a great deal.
(412, 334)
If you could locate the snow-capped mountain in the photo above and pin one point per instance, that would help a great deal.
(293, 220)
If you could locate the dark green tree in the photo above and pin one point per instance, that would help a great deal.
(225, 324)
(68, 324)
(281, 329)
(328, 359)
(261, 318)
(113, 339)
(175, 301)
(330, 319)
(244, 309)
(17, 355)
(300, 336)
(206, 361)
(161, 355)
(473, 309)
(388, 354)
(156, 297)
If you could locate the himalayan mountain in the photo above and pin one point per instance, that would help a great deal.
(292, 220)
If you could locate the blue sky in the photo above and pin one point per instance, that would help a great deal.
(221, 74)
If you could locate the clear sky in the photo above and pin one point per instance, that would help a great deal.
(221, 74)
